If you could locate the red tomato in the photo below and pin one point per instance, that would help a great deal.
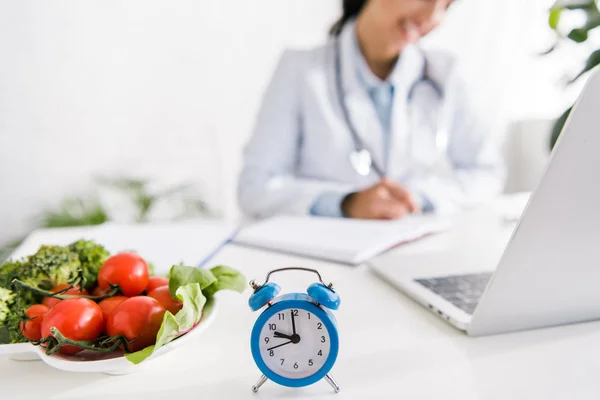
(52, 301)
(156, 282)
(32, 329)
(127, 270)
(108, 305)
(138, 318)
(165, 299)
(98, 291)
(76, 319)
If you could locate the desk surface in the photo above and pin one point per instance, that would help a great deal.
(390, 346)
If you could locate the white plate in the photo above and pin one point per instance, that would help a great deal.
(110, 363)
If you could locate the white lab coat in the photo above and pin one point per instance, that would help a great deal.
(301, 144)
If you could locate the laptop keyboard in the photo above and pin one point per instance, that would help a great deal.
(464, 291)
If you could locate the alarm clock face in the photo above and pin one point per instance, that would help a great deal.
(294, 343)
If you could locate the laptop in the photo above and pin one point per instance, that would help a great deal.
(548, 273)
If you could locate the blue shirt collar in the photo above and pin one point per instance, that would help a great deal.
(407, 71)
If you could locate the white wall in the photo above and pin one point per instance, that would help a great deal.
(169, 89)
(164, 89)
(499, 45)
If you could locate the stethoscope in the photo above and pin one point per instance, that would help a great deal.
(361, 159)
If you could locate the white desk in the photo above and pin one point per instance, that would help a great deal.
(390, 348)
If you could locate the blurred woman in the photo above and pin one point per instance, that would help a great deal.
(370, 125)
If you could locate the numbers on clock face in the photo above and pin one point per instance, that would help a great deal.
(294, 343)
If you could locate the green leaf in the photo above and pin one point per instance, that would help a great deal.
(75, 211)
(558, 126)
(554, 17)
(579, 4)
(173, 326)
(574, 4)
(581, 34)
(180, 275)
(592, 61)
(227, 279)
(187, 284)
(141, 355)
(578, 35)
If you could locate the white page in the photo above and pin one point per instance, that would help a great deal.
(348, 241)
(161, 244)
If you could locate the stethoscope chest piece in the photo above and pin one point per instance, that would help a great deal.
(361, 161)
(360, 158)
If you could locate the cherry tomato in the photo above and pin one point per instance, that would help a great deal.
(108, 305)
(156, 282)
(32, 328)
(76, 319)
(127, 270)
(138, 318)
(163, 295)
(52, 301)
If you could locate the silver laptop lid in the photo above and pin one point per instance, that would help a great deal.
(549, 273)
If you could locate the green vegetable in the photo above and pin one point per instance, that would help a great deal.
(174, 326)
(4, 335)
(15, 310)
(195, 287)
(12, 324)
(50, 264)
(57, 263)
(13, 306)
(180, 275)
(13, 269)
(91, 256)
(48, 267)
(227, 278)
(7, 299)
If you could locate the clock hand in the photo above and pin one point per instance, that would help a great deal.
(293, 323)
(279, 345)
(281, 335)
(295, 338)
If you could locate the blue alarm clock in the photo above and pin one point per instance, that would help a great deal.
(295, 340)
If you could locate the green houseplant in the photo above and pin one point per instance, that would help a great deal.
(580, 34)
(89, 210)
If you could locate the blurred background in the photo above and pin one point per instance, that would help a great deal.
(137, 110)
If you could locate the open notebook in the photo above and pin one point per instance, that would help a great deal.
(348, 241)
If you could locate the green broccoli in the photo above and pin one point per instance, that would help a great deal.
(12, 326)
(12, 309)
(91, 256)
(51, 265)
(7, 299)
(48, 267)
(22, 270)
(10, 270)
(12, 305)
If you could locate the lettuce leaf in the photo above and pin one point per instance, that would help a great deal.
(194, 286)
(227, 279)
(180, 275)
(174, 326)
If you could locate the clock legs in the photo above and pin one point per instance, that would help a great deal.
(260, 382)
(333, 383)
(328, 378)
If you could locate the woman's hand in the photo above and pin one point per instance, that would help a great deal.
(386, 200)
